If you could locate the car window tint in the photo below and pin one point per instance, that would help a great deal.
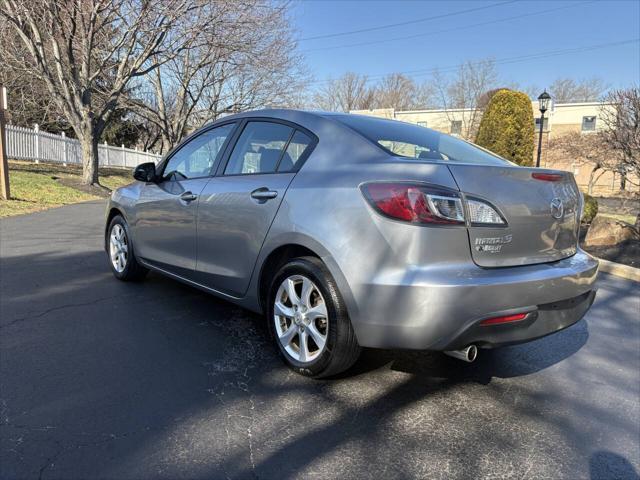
(197, 157)
(296, 148)
(258, 149)
(420, 143)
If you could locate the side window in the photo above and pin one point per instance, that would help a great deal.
(297, 146)
(197, 157)
(259, 148)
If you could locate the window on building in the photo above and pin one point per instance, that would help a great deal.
(422, 124)
(545, 127)
(456, 127)
(588, 124)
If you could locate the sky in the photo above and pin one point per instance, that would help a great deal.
(505, 30)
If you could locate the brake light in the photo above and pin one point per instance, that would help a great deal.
(415, 203)
(548, 177)
(504, 319)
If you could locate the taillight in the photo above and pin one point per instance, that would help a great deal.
(548, 177)
(481, 213)
(415, 203)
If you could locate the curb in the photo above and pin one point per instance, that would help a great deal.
(620, 270)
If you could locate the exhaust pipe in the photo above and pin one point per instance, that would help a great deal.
(468, 354)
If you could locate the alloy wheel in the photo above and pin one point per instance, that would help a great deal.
(118, 248)
(301, 319)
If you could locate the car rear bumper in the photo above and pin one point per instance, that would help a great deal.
(440, 307)
(540, 321)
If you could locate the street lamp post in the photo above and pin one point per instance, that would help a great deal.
(543, 104)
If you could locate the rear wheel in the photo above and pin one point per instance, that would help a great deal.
(308, 320)
(120, 250)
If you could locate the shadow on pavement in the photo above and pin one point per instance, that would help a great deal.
(156, 379)
(605, 465)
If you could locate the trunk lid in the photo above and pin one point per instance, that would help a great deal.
(541, 214)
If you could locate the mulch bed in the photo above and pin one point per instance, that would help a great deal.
(627, 253)
(64, 178)
(103, 192)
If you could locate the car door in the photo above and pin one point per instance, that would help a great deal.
(165, 224)
(238, 205)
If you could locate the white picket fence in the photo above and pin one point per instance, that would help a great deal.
(36, 145)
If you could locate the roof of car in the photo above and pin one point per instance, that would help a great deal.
(288, 112)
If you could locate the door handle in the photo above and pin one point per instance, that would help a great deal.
(264, 194)
(188, 197)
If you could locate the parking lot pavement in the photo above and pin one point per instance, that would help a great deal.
(104, 379)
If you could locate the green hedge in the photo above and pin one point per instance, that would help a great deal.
(590, 209)
(507, 127)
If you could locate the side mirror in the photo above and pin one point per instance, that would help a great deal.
(145, 172)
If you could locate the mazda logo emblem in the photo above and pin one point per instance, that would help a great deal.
(557, 208)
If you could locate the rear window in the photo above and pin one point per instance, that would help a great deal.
(419, 143)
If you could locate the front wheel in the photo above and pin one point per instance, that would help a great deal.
(123, 262)
(309, 321)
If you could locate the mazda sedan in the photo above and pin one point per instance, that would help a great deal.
(348, 231)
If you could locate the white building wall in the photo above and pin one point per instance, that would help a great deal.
(562, 117)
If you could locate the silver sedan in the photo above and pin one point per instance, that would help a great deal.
(348, 231)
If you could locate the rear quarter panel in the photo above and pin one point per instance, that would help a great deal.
(325, 211)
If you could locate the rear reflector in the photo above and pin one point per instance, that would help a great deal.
(548, 177)
(504, 319)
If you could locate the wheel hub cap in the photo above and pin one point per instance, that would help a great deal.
(118, 248)
(300, 316)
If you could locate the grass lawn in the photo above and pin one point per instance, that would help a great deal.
(40, 186)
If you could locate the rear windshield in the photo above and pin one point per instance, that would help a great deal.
(419, 143)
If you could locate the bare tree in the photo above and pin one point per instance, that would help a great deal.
(397, 91)
(586, 150)
(566, 90)
(243, 57)
(620, 115)
(532, 90)
(87, 51)
(29, 100)
(267, 71)
(349, 92)
(463, 91)
(355, 92)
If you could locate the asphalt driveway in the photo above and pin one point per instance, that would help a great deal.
(104, 379)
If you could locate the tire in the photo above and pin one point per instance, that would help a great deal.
(128, 269)
(340, 349)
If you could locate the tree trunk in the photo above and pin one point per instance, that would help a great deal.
(592, 179)
(166, 143)
(89, 144)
